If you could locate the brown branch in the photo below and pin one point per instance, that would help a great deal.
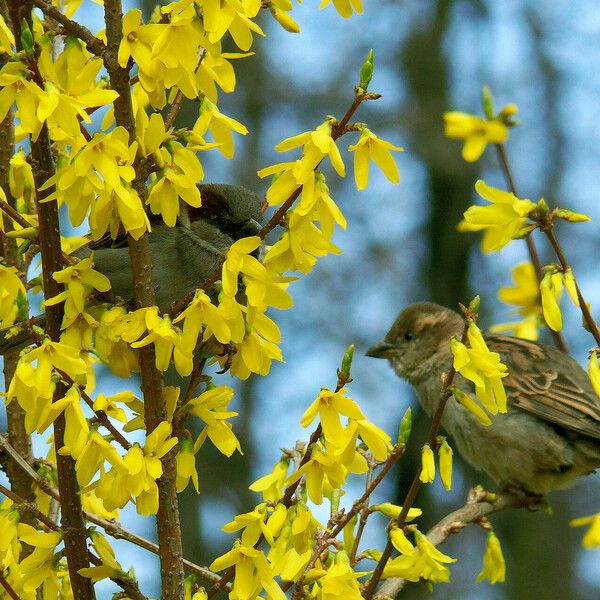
(559, 340)
(167, 517)
(15, 415)
(477, 507)
(9, 590)
(94, 45)
(30, 507)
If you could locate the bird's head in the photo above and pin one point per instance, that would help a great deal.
(420, 331)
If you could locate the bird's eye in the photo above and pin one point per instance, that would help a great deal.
(408, 336)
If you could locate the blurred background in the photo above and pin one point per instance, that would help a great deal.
(401, 245)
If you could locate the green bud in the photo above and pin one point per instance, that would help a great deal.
(366, 71)
(22, 306)
(25, 246)
(541, 208)
(335, 500)
(474, 305)
(487, 101)
(349, 536)
(27, 38)
(347, 361)
(572, 217)
(405, 427)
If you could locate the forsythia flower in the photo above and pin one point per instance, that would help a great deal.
(503, 220)
(12, 291)
(428, 563)
(427, 474)
(271, 485)
(525, 294)
(594, 372)
(344, 7)
(211, 407)
(483, 368)
(445, 458)
(476, 132)
(253, 573)
(494, 567)
(591, 539)
(109, 567)
(77, 280)
(370, 147)
(550, 288)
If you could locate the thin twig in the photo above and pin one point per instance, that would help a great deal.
(94, 44)
(559, 340)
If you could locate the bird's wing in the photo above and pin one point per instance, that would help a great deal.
(555, 387)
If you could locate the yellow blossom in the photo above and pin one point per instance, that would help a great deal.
(445, 458)
(476, 132)
(211, 407)
(221, 16)
(484, 368)
(200, 313)
(344, 7)
(220, 125)
(39, 565)
(591, 539)
(166, 338)
(400, 541)
(329, 406)
(284, 19)
(109, 567)
(324, 468)
(525, 294)
(20, 176)
(427, 474)
(299, 246)
(393, 511)
(339, 580)
(258, 348)
(271, 485)
(428, 563)
(12, 292)
(594, 372)
(7, 39)
(371, 148)
(550, 288)
(186, 466)
(503, 220)
(472, 406)
(253, 573)
(494, 567)
(77, 280)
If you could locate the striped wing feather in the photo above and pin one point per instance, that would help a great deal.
(550, 384)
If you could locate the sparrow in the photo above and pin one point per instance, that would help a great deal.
(550, 434)
(182, 256)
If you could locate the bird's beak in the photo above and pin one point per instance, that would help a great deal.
(380, 349)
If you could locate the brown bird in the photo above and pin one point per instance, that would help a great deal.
(550, 434)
